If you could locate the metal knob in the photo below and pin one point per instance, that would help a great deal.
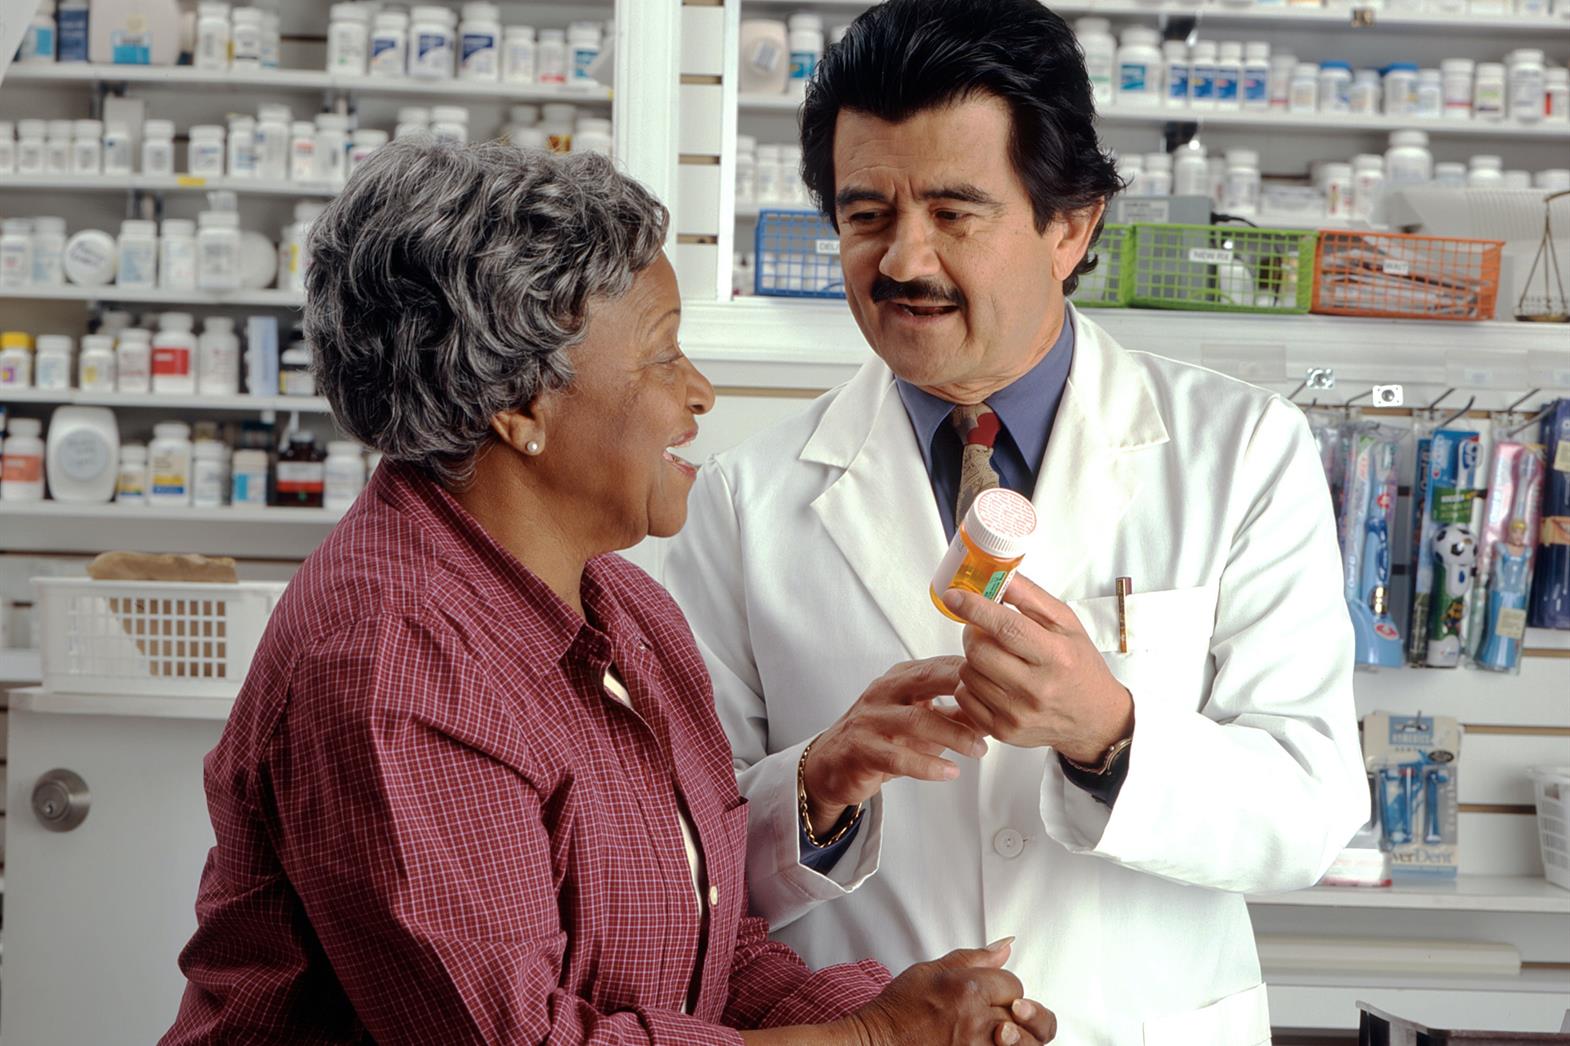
(60, 800)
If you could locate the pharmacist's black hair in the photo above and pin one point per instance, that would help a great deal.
(903, 57)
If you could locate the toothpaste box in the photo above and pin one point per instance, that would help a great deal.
(1414, 761)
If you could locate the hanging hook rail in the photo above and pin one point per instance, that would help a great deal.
(1470, 401)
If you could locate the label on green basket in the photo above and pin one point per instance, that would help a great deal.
(826, 246)
(1210, 256)
(1154, 210)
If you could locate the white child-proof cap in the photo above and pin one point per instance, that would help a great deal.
(1001, 522)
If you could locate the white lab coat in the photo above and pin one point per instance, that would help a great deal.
(804, 570)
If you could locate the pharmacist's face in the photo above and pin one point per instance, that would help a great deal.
(610, 448)
(945, 272)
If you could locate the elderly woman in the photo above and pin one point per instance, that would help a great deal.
(474, 790)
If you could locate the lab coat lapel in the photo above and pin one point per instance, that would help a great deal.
(1089, 476)
(880, 511)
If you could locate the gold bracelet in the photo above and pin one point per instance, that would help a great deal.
(806, 817)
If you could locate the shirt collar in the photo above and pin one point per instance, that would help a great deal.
(1024, 407)
(462, 538)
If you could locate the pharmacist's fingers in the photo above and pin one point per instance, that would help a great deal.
(1041, 606)
(916, 681)
(978, 710)
(1017, 633)
(915, 723)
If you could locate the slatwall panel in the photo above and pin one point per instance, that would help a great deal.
(706, 169)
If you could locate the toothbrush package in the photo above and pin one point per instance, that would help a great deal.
(1550, 603)
(1506, 551)
(1445, 555)
(1367, 524)
(1414, 762)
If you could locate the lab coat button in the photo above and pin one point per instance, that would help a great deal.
(1008, 843)
(714, 896)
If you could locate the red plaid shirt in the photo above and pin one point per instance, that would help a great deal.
(434, 824)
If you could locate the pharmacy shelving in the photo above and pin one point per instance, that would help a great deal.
(1337, 123)
(795, 344)
(1356, 16)
(1270, 120)
(1467, 893)
(272, 299)
(60, 511)
(20, 667)
(302, 80)
(172, 184)
(157, 401)
(56, 527)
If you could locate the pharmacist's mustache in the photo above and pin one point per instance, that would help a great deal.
(915, 292)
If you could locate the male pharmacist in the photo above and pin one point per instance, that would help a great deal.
(1147, 768)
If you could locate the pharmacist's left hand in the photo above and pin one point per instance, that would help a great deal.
(1034, 678)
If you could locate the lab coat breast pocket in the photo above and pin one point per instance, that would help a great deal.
(1168, 633)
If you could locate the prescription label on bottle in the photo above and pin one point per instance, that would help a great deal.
(996, 584)
(21, 468)
(1210, 256)
(301, 477)
(171, 361)
(1511, 624)
(1396, 267)
(802, 65)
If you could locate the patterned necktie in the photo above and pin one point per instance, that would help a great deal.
(978, 426)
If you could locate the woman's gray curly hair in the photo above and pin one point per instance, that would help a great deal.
(447, 284)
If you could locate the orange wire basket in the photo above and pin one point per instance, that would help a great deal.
(1401, 276)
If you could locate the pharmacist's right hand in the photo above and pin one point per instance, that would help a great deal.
(891, 731)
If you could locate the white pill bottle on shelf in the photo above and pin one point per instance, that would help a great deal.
(1096, 40)
(431, 43)
(22, 461)
(218, 358)
(169, 464)
(480, 42)
(389, 46)
(348, 39)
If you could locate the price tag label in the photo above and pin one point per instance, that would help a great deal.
(1511, 624)
(1363, 17)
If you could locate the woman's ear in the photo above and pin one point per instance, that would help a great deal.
(522, 430)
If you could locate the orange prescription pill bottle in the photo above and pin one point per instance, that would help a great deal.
(987, 548)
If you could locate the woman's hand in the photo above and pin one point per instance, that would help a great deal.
(962, 999)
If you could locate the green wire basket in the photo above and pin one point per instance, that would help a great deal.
(1222, 268)
(1112, 284)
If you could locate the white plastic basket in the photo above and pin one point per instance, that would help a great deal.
(1552, 785)
(159, 638)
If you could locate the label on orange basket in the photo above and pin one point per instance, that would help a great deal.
(1396, 267)
(1210, 256)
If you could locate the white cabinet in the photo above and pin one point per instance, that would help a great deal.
(96, 916)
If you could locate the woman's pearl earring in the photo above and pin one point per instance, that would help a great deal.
(533, 447)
